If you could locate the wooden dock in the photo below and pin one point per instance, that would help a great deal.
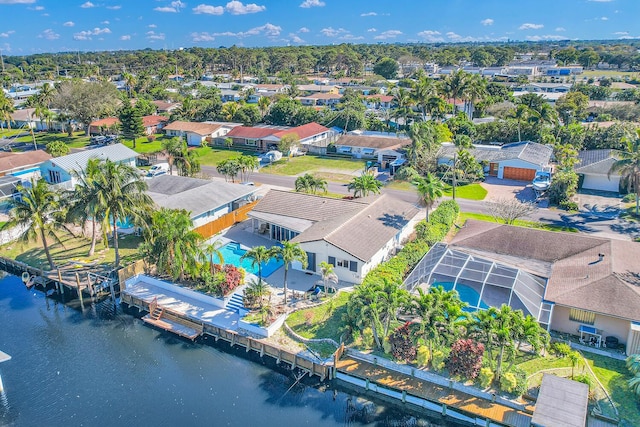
(407, 385)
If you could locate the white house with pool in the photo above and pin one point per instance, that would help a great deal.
(352, 235)
(571, 283)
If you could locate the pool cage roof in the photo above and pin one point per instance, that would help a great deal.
(481, 283)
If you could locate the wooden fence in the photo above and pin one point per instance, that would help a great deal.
(129, 271)
(225, 221)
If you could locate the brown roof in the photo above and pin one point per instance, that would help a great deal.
(153, 120)
(166, 106)
(381, 98)
(577, 275)
(14, 161)
(252, 132)
(304, 131)
(23, 115)
(106, 122)
(195, 127)
(377, 142)
(321, 95)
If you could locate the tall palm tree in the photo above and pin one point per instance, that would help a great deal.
(328, 275)
(307, 183)
(520, 114)
(423, 89)
(121, 191)
(172, 148)
(628, 167)
(390, 297)
(289, 253)
(455, 86)
(213, 249)
(259, 256)
(229, 110)
(84, 204)
(36, 208)
(430, 189)
(6, 108)
(363, 185)
(476, 89)
(404, 101)
(263, 105)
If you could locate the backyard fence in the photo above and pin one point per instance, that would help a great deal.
(225, 221)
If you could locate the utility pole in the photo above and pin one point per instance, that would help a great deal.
(455, 160)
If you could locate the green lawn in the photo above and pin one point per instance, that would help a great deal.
(209, 156)
(521, 223)
(324, 321)
(77, 140)
(469, 191)
(143, 146)
(608, 73)
(6, 133)
(401, 185)
(309, 164)
(75, 249)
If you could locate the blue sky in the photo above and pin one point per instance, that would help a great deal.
(33, 26)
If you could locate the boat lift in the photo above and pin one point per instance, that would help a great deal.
(3, 358)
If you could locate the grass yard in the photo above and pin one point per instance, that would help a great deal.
(309, 164)
(6, 133)
(469, 191)
(333, 177)
(400, 185)
(608, 73)
(209, 156)
(77, 140)
(143, 146)
(72, 248)
(323, 321)
(521, 223)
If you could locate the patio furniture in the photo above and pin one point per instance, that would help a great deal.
(611, 342)
(592, 335)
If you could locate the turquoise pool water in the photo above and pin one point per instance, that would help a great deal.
(232, 252)
(467, 294)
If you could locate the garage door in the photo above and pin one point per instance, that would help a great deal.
(601, 182)
(519, 174)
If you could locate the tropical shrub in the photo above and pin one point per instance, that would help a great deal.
(629, 198)
(423, 355)
(367, 337)
(508, 382)
(438, 359)
(584, 379)
(563, 187)
(223, 280)
(465, 358)
(561, 349)
(402, 347)
(485, 377)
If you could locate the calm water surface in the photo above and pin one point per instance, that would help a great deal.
(103, 367)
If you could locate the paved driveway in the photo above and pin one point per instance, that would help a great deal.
(507, 188)
(599, 204)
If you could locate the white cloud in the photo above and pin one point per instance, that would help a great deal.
(174, 7)
(332, 32)
(560, 29)
(304, 30)
(6, 34)
(312, 3)
(88, 34)
(152, 26)
(371, 30)
(295, 38)
(36, 8)
(369, 14)
(152, 36)
(116, 7)
(68, 24)
(390, 34)
(105, 22)
(17, 1)
(87, 5)
(529, 26)
(604, 18)
(125, 37)
(207, 9)
(487, 22)
(545, 37)
(431, 36)
(267, 29)
(49, 34)
(621, 33)
(237, 8)
(202, 37)
(351, 37)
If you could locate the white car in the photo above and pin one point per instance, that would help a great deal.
(158, 169)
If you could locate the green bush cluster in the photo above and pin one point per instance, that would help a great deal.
(427, 234)
(485, 378)
(438, 359)
(561, 349)
(508, 382)
(584, 379)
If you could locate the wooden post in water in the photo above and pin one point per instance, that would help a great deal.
(60, 284)
(92, 290)
(79, 290)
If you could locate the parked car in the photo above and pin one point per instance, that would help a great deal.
(158, 169)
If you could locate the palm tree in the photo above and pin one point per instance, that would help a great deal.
(423, 89)
(455, 86)
(390, 297)
(403, 100)
(84, 204)
(520, 114)
(172, 148)
(289, 253)
(36, 209)
(259, 256)
(430, 189)
(364, 184)
(307, 183)
(574, 359)
(213, 249)
(248, 164)
(121, 192)
(328, 275)
(6, 108)
(229, 110)
(628, 167)
(263, 105)
(476, 89)
(130, 81)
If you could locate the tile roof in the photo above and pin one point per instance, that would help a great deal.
(153, 120)
(381, 98)
(78, 161)
(596, 161)
(376, 142)
(577, 275)
(23, 115)
(530, 152)
(255, 132)
(323, 96)
(195, 195)
(194, 127)
(106, 122)
(166, 106)
(304, 131)
(14, 161)
(360, 227)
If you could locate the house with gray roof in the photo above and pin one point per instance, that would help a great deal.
(519, 160)
(60, 170)
(571, 283)
(594, 167)
(206, 200)
(352, 235)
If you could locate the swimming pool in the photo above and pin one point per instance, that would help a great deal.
(232, 252)
(467, 294)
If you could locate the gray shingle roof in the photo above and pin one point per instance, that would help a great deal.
(195, 195)
(78, 161)
(531, 152)
(577, 276)
(596, 161)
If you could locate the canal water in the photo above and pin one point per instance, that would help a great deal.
(104, 367)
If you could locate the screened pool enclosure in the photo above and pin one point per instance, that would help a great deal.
(481, 283)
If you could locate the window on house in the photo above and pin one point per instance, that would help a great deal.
(353, 266)
(252, 142)
(586, 317)
(342, 263)
(332, 261)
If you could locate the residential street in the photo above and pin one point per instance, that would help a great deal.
(586, 221)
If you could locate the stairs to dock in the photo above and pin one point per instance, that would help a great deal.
(236, 302)
(157, 312)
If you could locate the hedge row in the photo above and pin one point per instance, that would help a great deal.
(427, 234)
